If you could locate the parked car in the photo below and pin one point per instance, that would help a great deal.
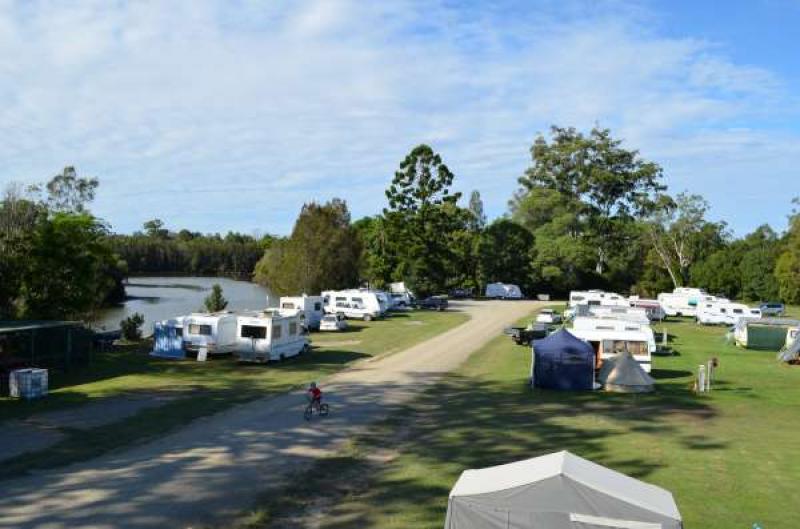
(461, 293)
(772, 309)
(332, 322)
(434, 303)
(548, 316)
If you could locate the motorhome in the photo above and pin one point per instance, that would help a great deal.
(725, 313)
(269, 335)
(683, 301)
(216, 332)
(596, 298)
(308, 307)
(771, 334)
(353, 304)
(503, 291)
(652, 307)
(609, 337)
(632, 314)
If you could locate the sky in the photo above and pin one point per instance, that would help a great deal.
(230, 114)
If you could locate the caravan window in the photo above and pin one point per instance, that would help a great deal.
(594, 302)
(202, 330)
(577, 298)
(604, 328)
(292, 328)
(738, 311)
(317, 306)
(287, 305)
(631, 328)
(342, 304)
(358, 302)
(256, 332)
(276, 331)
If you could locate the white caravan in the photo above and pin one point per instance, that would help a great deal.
(725, 313)
(216, 332)
(683, 301)
(596, 298)
(269, 335)
(632, 314)
(503, 291)
(354, 304)
(308, 307)
(609, 337)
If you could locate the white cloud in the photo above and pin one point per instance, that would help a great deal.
(229, 115)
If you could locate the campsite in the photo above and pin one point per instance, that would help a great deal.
(697, 447)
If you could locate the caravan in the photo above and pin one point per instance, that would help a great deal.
(652, 307)
(269, 335)
(216, 332)
(503, 291)
(771, 334)
(308, 307)
(610, 337)
(632, 314)
(400, 296)
(596, 298)
(725, 313)
(353, 304)
(683, 301)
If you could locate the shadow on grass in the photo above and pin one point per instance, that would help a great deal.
(466, 423)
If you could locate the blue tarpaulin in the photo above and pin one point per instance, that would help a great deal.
(562, 361)
(167, 341)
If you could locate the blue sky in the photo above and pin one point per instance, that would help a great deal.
(228, 115)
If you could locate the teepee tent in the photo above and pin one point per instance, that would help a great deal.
(622, 374)
(557, 491)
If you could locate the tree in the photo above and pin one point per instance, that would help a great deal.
(604, 186)
(424, 217)
(67, 192)
(680, 234)
(504, 254)
(131, 327)
(787, 267)
(478, 221)
(155, 228)
(67, 272)
(322, 252)
(215, 301)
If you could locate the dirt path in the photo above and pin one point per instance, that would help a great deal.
(213, 469)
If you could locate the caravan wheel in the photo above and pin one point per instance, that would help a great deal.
(367, 317)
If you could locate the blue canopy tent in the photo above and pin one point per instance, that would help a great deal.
(168, 340)
(562, 361)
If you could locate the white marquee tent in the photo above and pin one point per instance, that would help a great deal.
(557, 491)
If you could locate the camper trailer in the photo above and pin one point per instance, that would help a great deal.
(633, 314)
(308, 307)
(269, 335)
(725, 313)
(770, 334)
(596, 298)
(503, 291)
(609, 337)
(353, 304)
(216, 332)
(683, 301)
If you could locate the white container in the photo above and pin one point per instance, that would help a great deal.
(28, 383)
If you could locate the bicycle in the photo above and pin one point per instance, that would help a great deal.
(322, 410)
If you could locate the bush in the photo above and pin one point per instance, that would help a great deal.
(215, 301)
(132, 327)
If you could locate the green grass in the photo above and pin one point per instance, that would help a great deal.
(730, 458)
(200, 388)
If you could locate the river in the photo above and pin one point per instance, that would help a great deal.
(160, 298)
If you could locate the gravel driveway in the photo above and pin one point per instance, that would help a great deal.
(214, 468)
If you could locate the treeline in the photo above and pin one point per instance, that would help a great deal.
(588, 213)
(55, 258)
(157, 250)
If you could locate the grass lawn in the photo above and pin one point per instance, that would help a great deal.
(730, 458)
(200, 389)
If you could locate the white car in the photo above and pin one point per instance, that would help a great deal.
(332, 322)
(548, 316)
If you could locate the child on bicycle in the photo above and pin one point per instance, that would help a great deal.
(314, 395)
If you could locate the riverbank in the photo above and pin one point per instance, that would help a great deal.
(122, 380)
